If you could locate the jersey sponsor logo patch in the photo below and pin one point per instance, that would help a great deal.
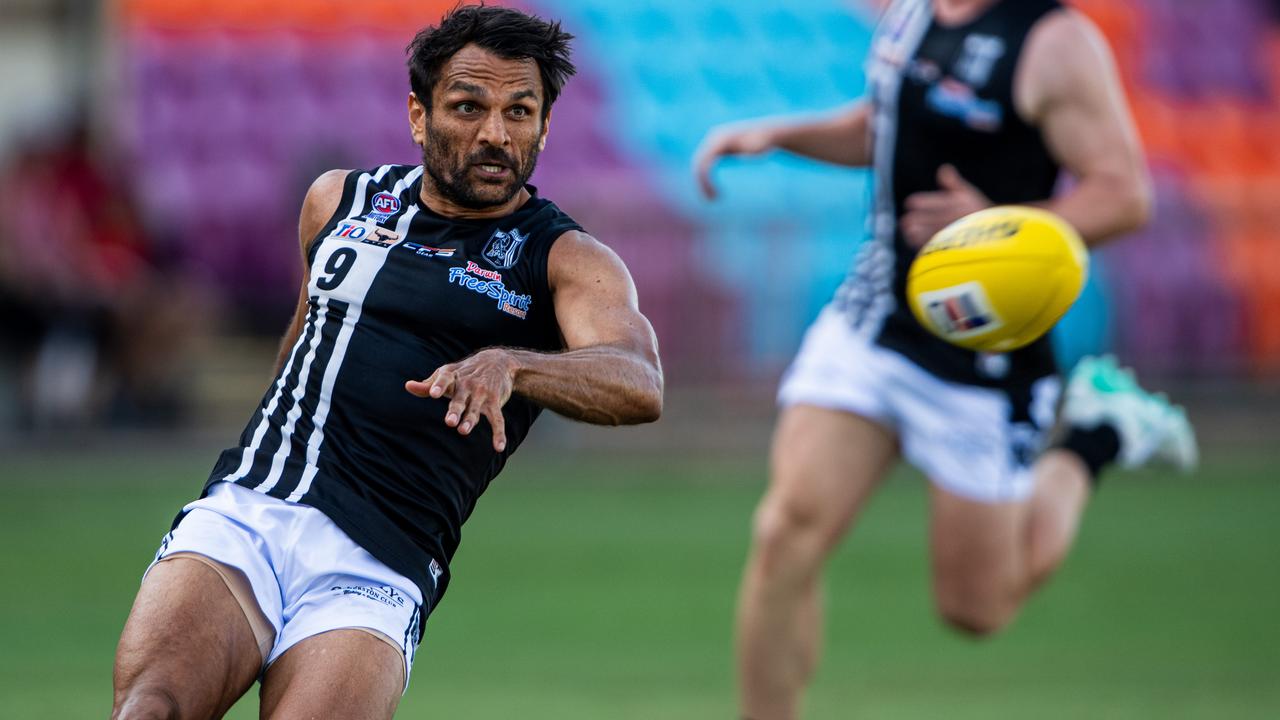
(956, 100)
(960, 311)
(428, 251)
(475, 269)
(503, 248)
(510, 303)
(365, 232)
(384, 594)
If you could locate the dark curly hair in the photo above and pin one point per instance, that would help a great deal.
(505, 32)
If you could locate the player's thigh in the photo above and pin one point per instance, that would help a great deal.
(346, 673)
(186, 643)
(824, 464)
(978, 554)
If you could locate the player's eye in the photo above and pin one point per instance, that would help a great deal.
(519, 112)
(466, 107)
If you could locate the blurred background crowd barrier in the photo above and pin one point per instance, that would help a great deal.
(154, 154)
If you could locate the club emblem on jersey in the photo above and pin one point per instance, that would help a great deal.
(979, 57)
(503, 248)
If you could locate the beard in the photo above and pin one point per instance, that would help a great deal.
(452, 178)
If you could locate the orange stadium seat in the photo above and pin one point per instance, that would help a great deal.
(1265, 133)
(1157, 118)
(1264, 328)
(1121, 24)
(1233, 150)
(399, 16)
(402, 16)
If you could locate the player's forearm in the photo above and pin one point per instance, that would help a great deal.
(842, 139)
(1105, 206)
(602, 385)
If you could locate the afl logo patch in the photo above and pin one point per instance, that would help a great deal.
(503, 248)
(384, 203)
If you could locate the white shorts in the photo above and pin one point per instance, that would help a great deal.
(308, 577)
(968, 439)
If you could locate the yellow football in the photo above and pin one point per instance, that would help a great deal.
(998, 279)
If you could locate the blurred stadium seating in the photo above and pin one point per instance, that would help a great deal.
(224, 112)
(228, 112)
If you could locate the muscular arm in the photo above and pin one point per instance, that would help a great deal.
(321, 201)
(1069, 88)
(609, 373)
(842, 138)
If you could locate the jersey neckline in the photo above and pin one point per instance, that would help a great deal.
(982, 15)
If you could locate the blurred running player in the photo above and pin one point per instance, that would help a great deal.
(971, 103)
(321, 543)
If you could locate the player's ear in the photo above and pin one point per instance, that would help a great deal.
(417, 119)
(546, 127)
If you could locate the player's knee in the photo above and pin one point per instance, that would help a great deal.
(146, 703)
(788, 531)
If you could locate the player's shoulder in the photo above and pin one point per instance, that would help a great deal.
(326, 188)
(320, 203)
(576, 241)
(1064, 35)
(577, 254)
(1065, 54)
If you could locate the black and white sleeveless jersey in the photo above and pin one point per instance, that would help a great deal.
(944, 94)
(396, 291)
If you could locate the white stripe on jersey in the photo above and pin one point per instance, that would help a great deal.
(340, 347)
(335, 359)
(246, 460)
(895, 43)
(867, 293)
(299, 392)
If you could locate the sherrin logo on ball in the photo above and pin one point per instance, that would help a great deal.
(998, 279)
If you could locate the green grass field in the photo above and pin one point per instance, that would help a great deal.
(603, 588)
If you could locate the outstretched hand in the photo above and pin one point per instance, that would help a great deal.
(479, 385)
(928, 212)
(724, 142)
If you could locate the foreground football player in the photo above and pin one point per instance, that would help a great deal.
(443, 306)
(971, 103)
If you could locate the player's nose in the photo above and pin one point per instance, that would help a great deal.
(493, 131)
